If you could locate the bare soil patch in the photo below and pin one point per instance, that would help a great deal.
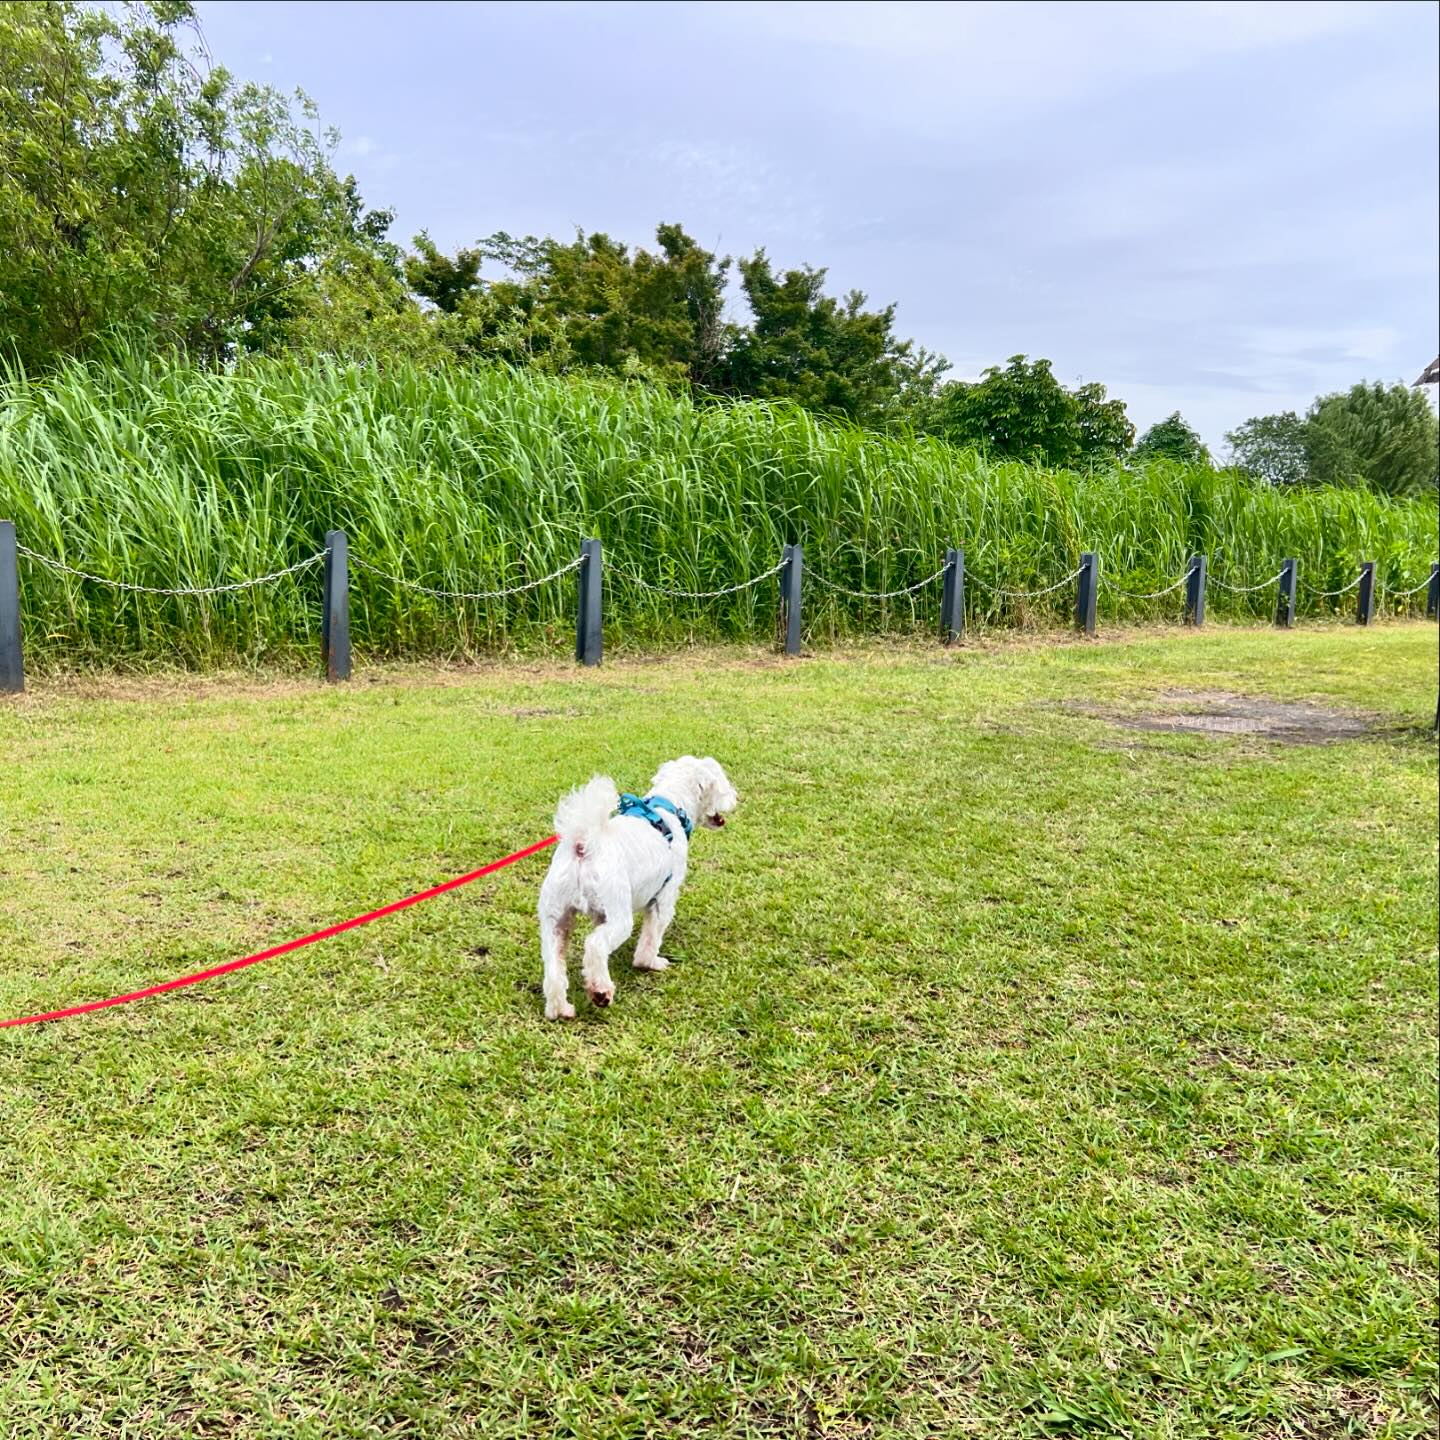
(1223, 712)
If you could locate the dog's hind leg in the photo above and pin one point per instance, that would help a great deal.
(657, 921)
(607, 937)
(554, 942)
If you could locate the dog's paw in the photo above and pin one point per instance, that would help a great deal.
(658, 963)
(601, 995)
(564, 1010)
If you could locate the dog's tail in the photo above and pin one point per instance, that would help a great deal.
(582, 813)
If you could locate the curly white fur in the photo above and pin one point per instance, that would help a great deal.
(611, 867)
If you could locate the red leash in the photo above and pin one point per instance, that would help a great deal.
(287, 947)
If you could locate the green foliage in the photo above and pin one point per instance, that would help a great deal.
(1272, 448)
(352, 306)
(592, 303)
(444, 282)
(1024, 413)
(658, 313)
(1383, 436)
(160, 473)
(832, 356)
(142, 193)
(1172, 439)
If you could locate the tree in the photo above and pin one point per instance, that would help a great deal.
(353, 306)
(1272, 448)
(829, 355)
(1382, 436)
(1172, 439)
(444, 282)
(1022, 412)
(591, 302)
(143, 192)
(1106, 431)
(659, 313)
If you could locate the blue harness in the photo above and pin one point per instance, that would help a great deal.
(649, 810)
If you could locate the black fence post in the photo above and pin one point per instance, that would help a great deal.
(1432, 595)
(790, 578)
(952, 598)
(1195, 591)
(1365, 603)
(335, 617)
(1085, 591)
(12, 663)
(1285, 605)
(589, 616)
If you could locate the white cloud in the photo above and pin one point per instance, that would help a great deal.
(941, 66)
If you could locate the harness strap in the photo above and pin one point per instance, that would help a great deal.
(649, 810)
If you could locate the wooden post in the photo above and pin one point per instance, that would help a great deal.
(790, 580)
(1432, 595)
(1365, 602)
(12, 664)
(589, 617)
(1085, 591)
(1195, 592)
(335, 618)
(952, 598)
(1285, 605)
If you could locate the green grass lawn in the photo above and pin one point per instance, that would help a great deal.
(1020, 1073)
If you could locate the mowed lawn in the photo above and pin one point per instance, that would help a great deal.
(1020, 1073)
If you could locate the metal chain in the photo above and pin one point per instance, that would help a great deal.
(879, 594)
(575, 564)
(161, 590)
(1152, 594)
(1024, 594)
(1413, 590)
(704, 594)
(1330, 594)
(1246, 589)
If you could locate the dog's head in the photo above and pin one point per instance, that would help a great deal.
(700, 786)
(717, 794)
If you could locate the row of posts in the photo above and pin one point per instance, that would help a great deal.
(589, 645)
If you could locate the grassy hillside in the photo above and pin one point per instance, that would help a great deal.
(161, 474)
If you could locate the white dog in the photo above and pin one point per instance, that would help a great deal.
(618, 856)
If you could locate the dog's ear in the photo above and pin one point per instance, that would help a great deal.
(717, 784)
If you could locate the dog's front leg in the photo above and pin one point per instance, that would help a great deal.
(602, 942)
(657, 921)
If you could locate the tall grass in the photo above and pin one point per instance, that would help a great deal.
(159, 473)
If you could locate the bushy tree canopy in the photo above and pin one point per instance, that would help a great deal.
(1383, 436)
(144, 193)
(1172, 439)
(1386, 437)
(1271, 448)
(1023, 412)
(828, 354)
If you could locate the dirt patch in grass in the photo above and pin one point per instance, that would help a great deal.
(1222, 712)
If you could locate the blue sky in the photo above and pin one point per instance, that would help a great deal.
(1219, 208)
